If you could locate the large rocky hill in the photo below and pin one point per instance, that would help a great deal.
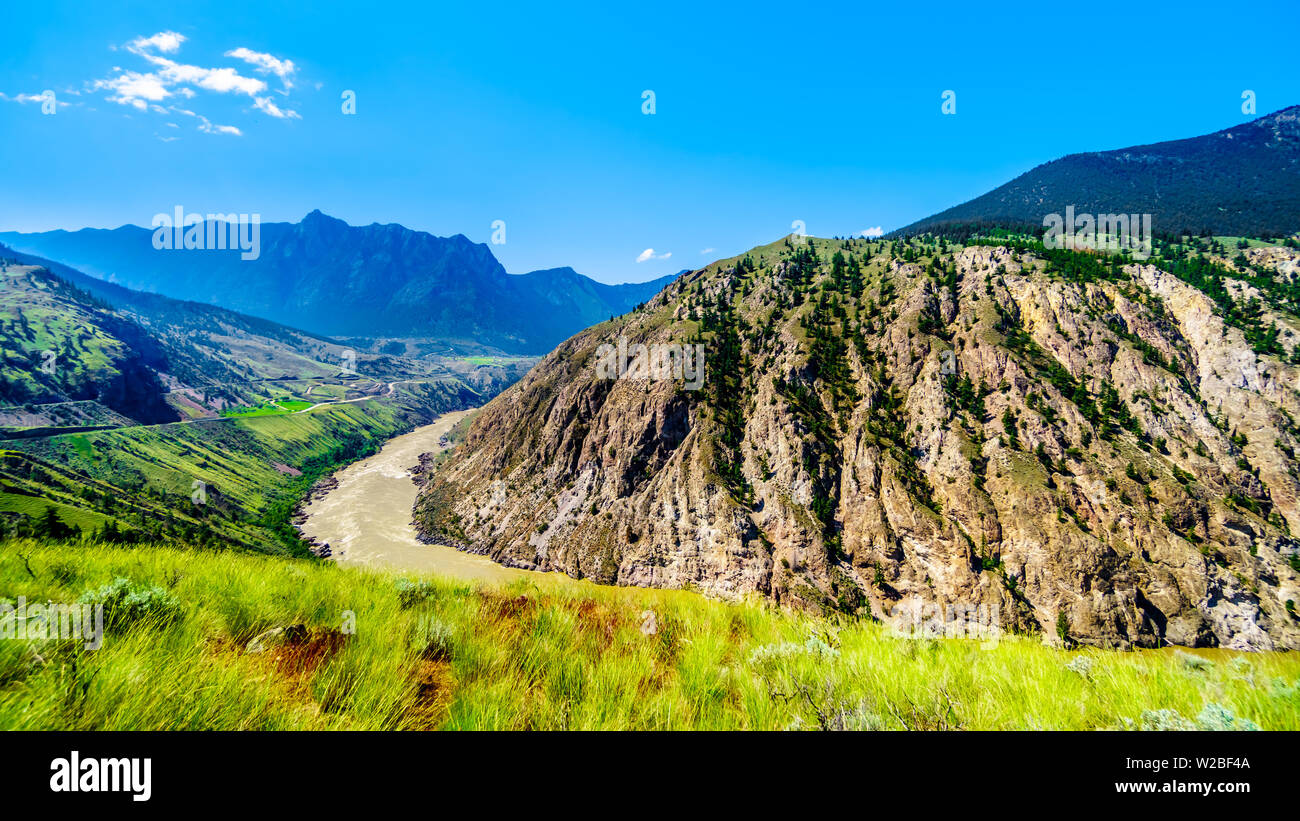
(1082, 444)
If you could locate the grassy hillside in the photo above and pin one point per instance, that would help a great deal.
(141, 480)
(145, 418)
(77, 352)
(369, 650)
(59, 343)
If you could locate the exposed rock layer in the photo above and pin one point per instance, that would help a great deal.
(935, 426)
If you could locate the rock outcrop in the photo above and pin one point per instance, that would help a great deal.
(1081, 445)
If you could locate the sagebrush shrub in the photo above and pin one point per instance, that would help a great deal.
(125, 603)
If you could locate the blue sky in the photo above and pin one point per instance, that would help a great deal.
(471, 113)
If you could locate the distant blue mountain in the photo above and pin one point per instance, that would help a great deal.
(326, 276)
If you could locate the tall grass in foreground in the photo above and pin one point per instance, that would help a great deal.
(432, 653)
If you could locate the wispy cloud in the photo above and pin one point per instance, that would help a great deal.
(871, 233)
(267, 64)
(206, 125)
(133, 88)
(649, 254)
(265, 104)
(167, 79)
(168, 42)
(44, 98)
(708, 250)
(23, 98)
(209, 128)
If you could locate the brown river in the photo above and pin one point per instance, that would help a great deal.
(366, 520)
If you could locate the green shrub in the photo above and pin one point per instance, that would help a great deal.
(1063, 628)
(1082, 665)
(126, 603)
(411, 592)
(435, 638)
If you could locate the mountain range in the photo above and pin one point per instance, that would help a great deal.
(334, 279)
(1241, 181)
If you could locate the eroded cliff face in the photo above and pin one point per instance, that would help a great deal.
(1038, 434)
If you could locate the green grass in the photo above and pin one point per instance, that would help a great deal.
(40, 315)
(1230, 243)
(277, 407)
(450, 655)
(493, 360)
(157, 466)
(144, 479)
(34, 506)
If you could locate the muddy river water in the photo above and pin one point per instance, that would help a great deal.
(366, 520)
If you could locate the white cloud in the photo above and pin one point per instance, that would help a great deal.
(208, 128)
(23, 98)
(44, 98)
(206, 125)
(265, 104)
(708, 250)
(133, 88)
(169, 78)
(266, 64)
(168, 42)
(649, 254)
(870, 233)
(220, 80)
